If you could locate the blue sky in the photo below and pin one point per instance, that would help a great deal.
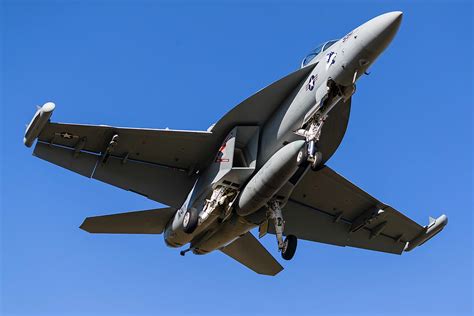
(183, 65)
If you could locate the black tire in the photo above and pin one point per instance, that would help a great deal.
(289, 247)
(318, 159)
(302, 157)
(190, 221)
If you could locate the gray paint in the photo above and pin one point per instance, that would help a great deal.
(269, 179)
(248, 251)
(138, 222)
(258, 144)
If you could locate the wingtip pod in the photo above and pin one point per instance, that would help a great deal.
(434, 227)
(40, 119)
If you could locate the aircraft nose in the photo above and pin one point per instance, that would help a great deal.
(376, 34)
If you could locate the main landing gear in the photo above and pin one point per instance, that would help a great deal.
(287, 247)
(190, 220)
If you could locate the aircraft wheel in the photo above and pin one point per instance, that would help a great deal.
(190, 221)
(302, 157)
(318, 158)
(289, 247)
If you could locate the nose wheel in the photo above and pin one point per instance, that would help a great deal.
(316, 160)
(309, 155)
(302, 157)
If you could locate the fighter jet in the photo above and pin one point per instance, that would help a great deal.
(263, 164)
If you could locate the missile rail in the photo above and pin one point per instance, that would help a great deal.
(39, 121)
(429, 231)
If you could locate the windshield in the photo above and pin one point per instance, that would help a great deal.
(315, 52)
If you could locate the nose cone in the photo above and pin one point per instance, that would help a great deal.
(376, 34)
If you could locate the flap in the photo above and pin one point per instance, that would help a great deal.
(249, 251)
(328, 191)
(325, 207)
(315, 225)
(162, 184)
(139, 222)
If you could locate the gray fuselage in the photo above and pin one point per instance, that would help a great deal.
(335, 68)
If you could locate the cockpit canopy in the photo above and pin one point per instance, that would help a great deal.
(315, 52)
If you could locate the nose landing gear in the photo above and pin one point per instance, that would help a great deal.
(309, 154)
(314, 121)
(287, 247)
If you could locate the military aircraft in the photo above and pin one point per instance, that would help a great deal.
(263, 164)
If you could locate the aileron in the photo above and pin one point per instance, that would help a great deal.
(166, 185)
(325, 207)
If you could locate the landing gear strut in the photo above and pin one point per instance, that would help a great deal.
(287, 247)
(192, 218)
(309, 154)
(313, 124)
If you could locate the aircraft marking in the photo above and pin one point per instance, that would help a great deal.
(66, 135)
(345, 38)
(220, 152)
(331, 59)
(311, 82)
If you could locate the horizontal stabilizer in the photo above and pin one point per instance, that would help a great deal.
(249, 251)
(140, 222)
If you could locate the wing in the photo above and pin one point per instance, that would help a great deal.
(249, 251)
(327, 208)
(159, 164)
(139, 222)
